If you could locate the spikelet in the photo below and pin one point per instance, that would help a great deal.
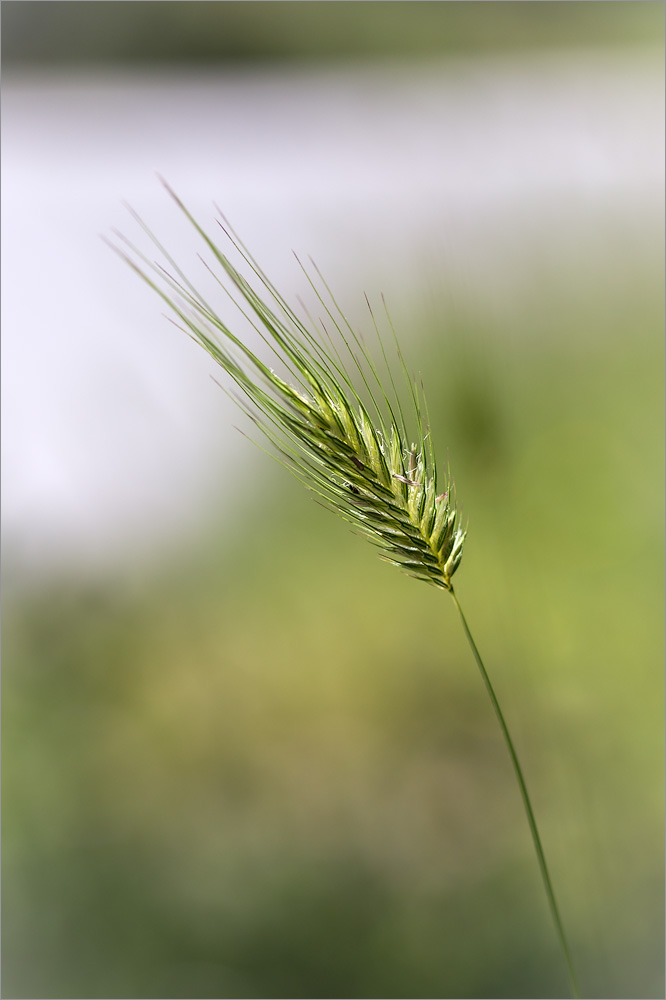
(365, 468)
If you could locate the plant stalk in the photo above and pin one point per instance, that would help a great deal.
(526, 802)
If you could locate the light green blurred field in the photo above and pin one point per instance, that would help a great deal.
(270, 770)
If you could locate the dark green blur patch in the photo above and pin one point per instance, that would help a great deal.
(204, 33)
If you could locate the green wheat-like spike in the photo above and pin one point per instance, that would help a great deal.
(362, 466)
(376, 471)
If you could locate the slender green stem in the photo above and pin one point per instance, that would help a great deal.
(526, 802)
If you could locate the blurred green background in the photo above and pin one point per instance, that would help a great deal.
(148, 31)
(268, 768)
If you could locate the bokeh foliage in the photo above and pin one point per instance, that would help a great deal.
(270, 770)
(204, 33)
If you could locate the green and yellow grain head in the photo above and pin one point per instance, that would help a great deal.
(337, 424)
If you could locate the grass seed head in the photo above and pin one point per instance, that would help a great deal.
(353, 450)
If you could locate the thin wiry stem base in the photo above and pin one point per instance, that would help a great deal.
(526, 802)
